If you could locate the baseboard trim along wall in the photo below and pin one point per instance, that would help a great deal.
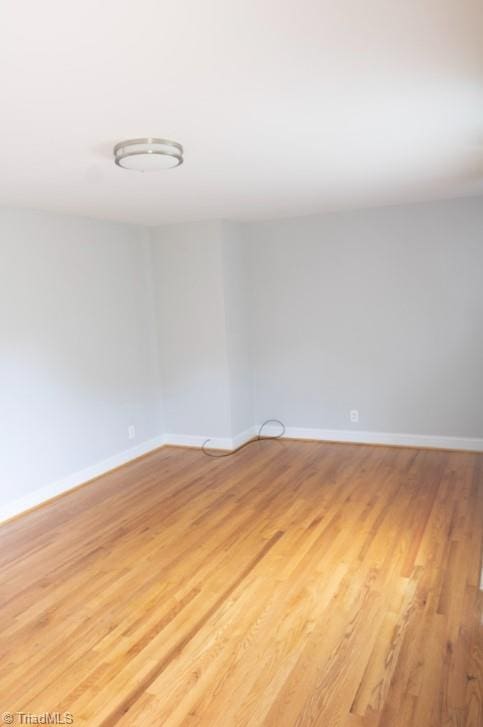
(37, 497)
(227, 443)
(197, 441)
(354, 436)
(43, 494)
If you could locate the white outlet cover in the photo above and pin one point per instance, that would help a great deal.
(131, 431)
(354, 415)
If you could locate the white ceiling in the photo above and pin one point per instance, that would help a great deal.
(284, 107)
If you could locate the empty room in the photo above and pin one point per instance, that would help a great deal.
(241, 363)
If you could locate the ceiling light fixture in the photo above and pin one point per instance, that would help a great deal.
(148, 155)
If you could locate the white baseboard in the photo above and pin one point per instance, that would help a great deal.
(244, 437)
(228, 443)
(42, 494)
(195, 440)
(356, 436)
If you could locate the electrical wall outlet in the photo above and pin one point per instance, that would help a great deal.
(131, 432)
(354, 415)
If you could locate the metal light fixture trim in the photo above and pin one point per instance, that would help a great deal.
(148, 154)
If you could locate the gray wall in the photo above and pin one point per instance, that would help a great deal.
(77, 359)
(376, 310)
(206, 329)
(190, 313)
(239, 339)
(201, 280)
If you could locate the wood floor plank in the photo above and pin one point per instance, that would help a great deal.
(294, 583)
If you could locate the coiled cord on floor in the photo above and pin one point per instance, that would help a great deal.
(250, 441)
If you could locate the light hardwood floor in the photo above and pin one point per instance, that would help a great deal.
(294, 583)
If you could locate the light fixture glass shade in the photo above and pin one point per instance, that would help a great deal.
(148, 155)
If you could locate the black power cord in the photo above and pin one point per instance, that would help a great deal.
(258, 438)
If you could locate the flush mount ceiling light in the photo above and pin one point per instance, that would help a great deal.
(148, 155)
